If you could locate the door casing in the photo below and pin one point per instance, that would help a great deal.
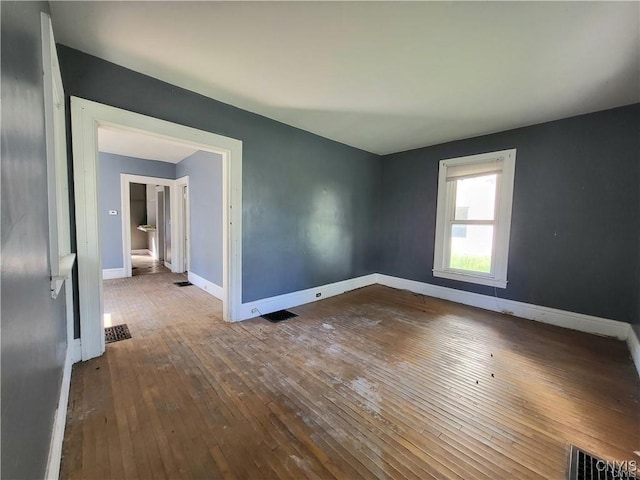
(86, 118)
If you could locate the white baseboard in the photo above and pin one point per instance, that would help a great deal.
(561, 318)
(290, 300)
(74, 355)
(168, 265)
(634, 347)
(206, 285)
(141, 251)
(111, 273)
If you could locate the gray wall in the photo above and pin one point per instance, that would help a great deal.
(636, 324)
(205, 202)
(311, 211)
(33, 325)
(574, 236)
(309, 204)
(110, 166)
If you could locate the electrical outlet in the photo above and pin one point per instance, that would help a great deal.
(318, 295)
(254, 310)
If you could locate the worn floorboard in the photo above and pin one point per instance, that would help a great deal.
(375, 383)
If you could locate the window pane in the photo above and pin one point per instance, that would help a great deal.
(471, 247)
(476, 198)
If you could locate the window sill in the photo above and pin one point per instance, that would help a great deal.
(470, 278)
(65, 267)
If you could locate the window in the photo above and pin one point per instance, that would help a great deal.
(474, 218)
(60, 257)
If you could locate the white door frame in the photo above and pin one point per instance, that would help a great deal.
(126, 180)
(161, 225)
(86, 117)
(183, 226)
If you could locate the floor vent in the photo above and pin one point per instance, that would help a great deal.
(279, 316)
(186, 283)
(116, 333)
(584, 466)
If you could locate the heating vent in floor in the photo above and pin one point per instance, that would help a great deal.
(279, 316)
(183, 284)
(116, 333)
(584, 466)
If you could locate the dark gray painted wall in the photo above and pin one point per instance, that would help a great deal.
(636, 324)
(309, 204)
(110, 166)
(205, 201)
(33, 325)
(574, 236)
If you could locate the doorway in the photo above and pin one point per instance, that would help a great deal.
(185, 226)
(86, 117)
(158, 244)
(146, 220)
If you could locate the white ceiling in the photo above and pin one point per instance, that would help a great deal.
(139, 145)
(381, 76)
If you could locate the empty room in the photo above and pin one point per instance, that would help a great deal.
(394, 240)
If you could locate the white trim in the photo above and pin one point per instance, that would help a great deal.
(204, 284)
(84, 146)
(560, 318)
(168, 265)
(65, 269)
(111, 273)
(141, 251)
(50, 73)
(60, 257)
(289, 300)
(181, 206)
(86, 117)
(634, 347)
(445, 209)
(73, 355)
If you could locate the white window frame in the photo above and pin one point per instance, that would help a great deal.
(497, 277)
(61, 259)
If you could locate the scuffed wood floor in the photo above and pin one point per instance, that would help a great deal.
(376, 383)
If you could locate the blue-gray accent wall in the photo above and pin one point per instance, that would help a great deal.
(309, 204)
(575, 233)
(110, 166)
(205, 207)
(33, 324)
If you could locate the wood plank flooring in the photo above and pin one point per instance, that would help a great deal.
(375, 383)
(146, 265)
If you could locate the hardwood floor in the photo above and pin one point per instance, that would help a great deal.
(375, 383)
(146, 265)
